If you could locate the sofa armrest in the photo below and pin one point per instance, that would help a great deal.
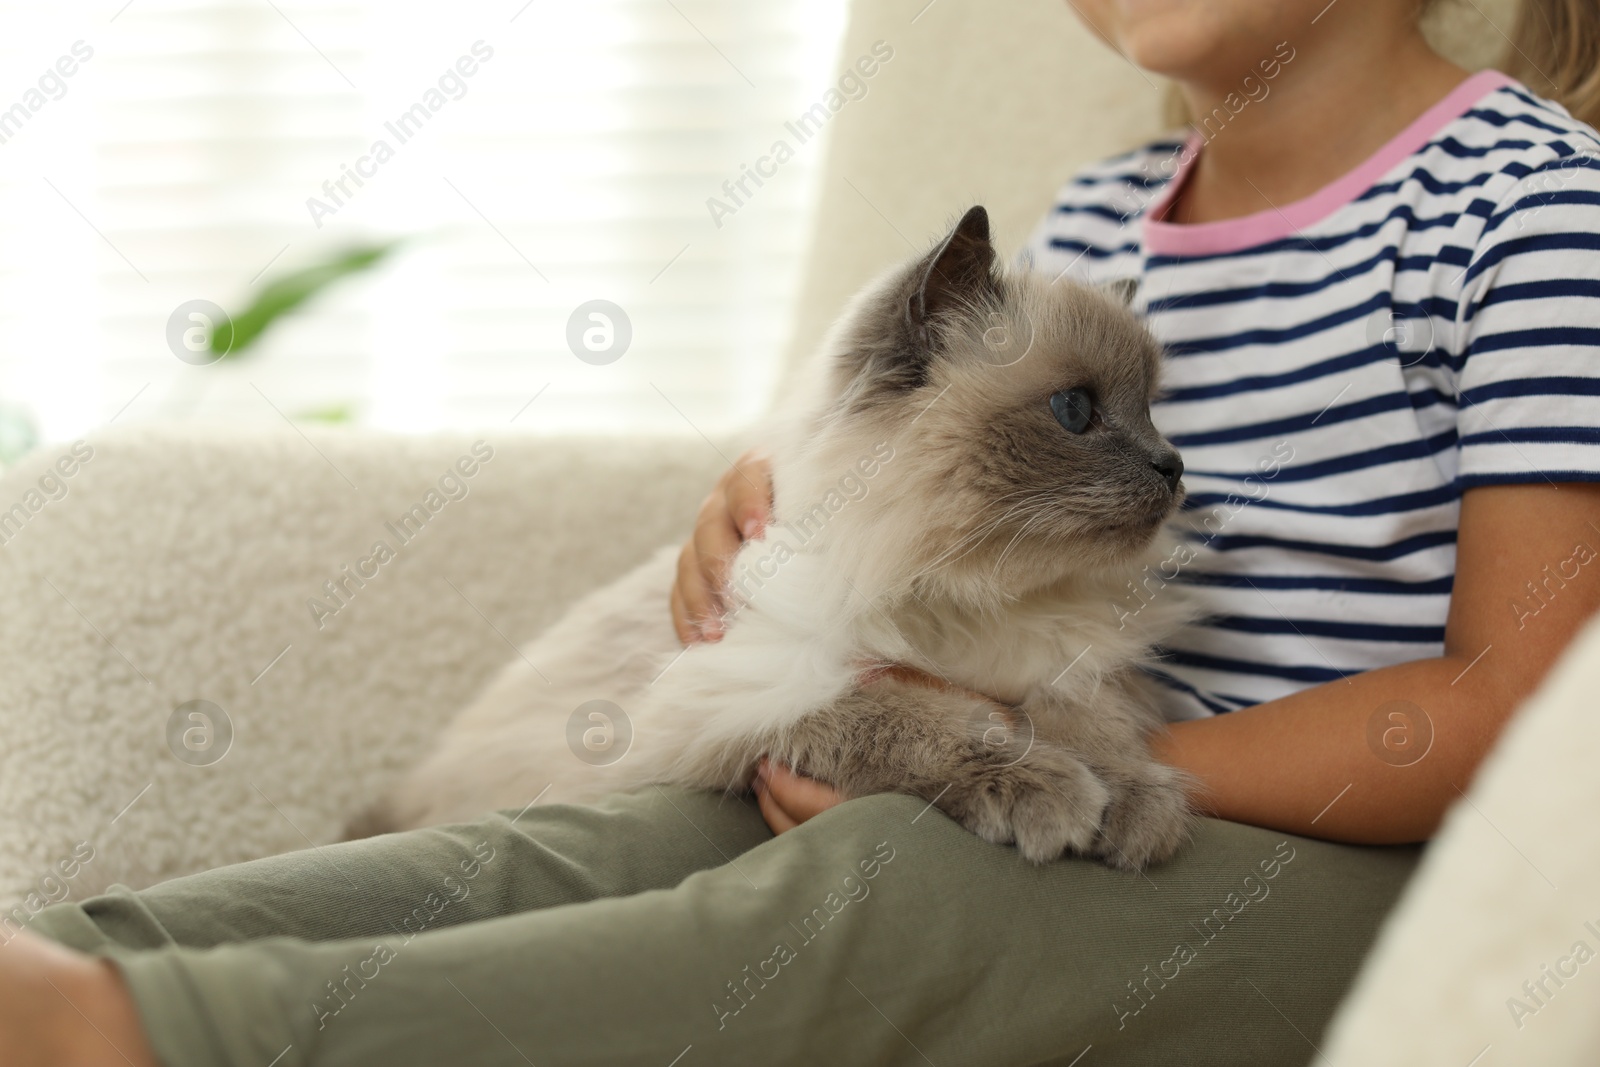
(246, 571)
(1500, 922)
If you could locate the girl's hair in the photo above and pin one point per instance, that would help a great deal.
(1555, 51)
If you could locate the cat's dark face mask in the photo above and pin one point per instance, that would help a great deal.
(1021, 408)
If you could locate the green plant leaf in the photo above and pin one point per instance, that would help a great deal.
(335, 415)
(233, 339)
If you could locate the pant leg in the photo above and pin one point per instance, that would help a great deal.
(402, 884)
(878, 933)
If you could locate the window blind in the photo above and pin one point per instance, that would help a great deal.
(536, 157)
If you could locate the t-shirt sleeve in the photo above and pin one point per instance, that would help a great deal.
(1528, 381)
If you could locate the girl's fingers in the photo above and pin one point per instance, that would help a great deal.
(798, 797)
(716, 541)
(681, 623)
(689, 598)
(738, 508)
(749, 493)
(777, 819)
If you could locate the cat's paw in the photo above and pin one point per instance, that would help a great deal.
(1147, 819)
(1047, 803)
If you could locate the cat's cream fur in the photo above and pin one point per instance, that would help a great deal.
(931, 512)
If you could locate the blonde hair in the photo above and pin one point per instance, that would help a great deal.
(1555, 51)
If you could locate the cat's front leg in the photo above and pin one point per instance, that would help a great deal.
(954, 750)
(1148, 815)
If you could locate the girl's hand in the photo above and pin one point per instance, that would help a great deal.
(788, 799)
(738, 510)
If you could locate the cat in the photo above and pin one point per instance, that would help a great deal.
(971, 488)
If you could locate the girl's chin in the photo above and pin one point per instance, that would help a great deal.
(1189, 40)
(1175, 48)
(1141, 9)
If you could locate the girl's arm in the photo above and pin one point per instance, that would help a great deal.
(1527, 576)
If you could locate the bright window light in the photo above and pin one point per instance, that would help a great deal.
(534, 158)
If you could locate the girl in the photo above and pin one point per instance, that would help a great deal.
(1379, 286)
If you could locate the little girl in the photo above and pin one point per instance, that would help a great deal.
(1378, 278)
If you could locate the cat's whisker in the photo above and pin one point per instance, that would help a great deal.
(1033, 520)
(976, 537)
(971, 542)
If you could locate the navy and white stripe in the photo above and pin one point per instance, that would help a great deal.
(1342, 369)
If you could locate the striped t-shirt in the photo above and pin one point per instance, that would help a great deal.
(1341, 368)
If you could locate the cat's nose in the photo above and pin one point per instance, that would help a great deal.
(1170, 467)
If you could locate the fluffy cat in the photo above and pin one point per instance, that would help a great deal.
(971, 489)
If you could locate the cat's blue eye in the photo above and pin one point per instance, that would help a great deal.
(1073, 409)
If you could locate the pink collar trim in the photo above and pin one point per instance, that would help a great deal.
(1231, 235)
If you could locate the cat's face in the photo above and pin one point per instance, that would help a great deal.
(1019, 415)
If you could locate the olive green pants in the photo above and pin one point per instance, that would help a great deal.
(669, 927)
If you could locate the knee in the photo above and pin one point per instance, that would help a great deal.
(868, 822)
(653, 820)
(880, 810)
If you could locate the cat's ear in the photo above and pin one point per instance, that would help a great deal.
(1123, 290)
(959, 273)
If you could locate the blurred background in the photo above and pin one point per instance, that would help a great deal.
(184, 158)
(254, 162)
